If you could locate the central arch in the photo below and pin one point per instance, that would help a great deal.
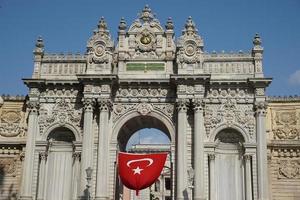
(132, 122)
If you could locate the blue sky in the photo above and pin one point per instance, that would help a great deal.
(226, 25)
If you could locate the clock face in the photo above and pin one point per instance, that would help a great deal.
(145, 39)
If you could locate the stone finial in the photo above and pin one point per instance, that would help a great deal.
(39, 46)
(122, 24)
(169, 25)
(190, 27)
(146, 14)
(102, 25)
(257, 40)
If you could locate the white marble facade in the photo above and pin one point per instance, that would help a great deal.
(82, 109)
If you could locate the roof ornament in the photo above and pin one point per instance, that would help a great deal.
(146, 15)
(122, 24)
(169, 25)
(39, 46)
(102, 27)
(257, 40)
(190, 27)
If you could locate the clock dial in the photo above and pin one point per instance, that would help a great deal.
(145, 39)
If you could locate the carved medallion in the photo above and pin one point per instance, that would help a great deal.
(144, 108)
(289, 169)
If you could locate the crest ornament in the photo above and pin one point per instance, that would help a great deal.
(144, 108)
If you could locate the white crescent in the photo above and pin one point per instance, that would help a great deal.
(139, 160)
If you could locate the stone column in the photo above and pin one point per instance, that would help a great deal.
(87, 142)
(199, 131)
(181, 171)
(27, 181)
(262, 168)
(41, 187)
(76, 170)
(103, 151)
(248, 175)
(212, 180)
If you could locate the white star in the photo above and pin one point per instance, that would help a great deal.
(137, 170)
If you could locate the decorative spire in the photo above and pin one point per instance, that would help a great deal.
(169, 25)
(190, 27)
(39, 46)
(257, 40)
(102, 25)
(122, 24)
(146, 14)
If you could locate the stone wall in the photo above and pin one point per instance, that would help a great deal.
(12, 141)
(283, 128)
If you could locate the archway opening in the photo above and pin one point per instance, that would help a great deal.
(143, 130)
(229, 165)
(60, 164)
(147, 134)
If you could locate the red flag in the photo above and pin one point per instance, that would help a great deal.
(139, 171)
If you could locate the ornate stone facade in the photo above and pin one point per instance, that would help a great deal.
(82, 109)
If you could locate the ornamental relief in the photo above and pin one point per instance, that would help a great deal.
(229, 113)
(144, 93)
(119, 109)
(8, 166)
(228, 93)
(289, 169)
(59, 93)
(285, 125)
(63, 112)
(12, 123)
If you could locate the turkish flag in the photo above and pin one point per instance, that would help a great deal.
(139, 171)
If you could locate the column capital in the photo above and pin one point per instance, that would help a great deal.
(247, 157)
(211, 156)
(104, 104)
(88, 104)
(77, 155)
(33, 107)
(43, 155)
(198, 104)
(260, 107)
(182, 104)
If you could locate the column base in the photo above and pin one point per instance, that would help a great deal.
(25, 198)
(200, 198)
(101, 198)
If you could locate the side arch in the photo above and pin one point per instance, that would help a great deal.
(234, 126)
(69, 126)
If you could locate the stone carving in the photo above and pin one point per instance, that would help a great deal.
(144, 108)
(63, 112)
(132, 93)
(189, 45)
(289, 169)
(227, 93)
(43, 155)
(285, 126)
(100, 46)
(7, 166)
(229, 113)
(59, 93)
(11, 124)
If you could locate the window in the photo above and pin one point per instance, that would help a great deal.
(168, 183)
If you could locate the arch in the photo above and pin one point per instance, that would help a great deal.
(69, 126)
(233, 126)
(166, 125)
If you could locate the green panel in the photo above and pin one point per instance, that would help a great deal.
(145, 66)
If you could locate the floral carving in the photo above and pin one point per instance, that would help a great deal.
(285, 126)
(11, 124)
(63, 112)
(144, 108)
(229, 113)
(7, 166)
(289, 169)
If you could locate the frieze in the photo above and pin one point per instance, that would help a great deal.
(7, 166)
(229, 113)
(59, 93)
(285, 125)
(143, 108)
(132, 93)
(63, 112)
(236, 93)
(11, 123)
(289, 169)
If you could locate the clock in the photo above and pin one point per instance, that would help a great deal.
(146, 39)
